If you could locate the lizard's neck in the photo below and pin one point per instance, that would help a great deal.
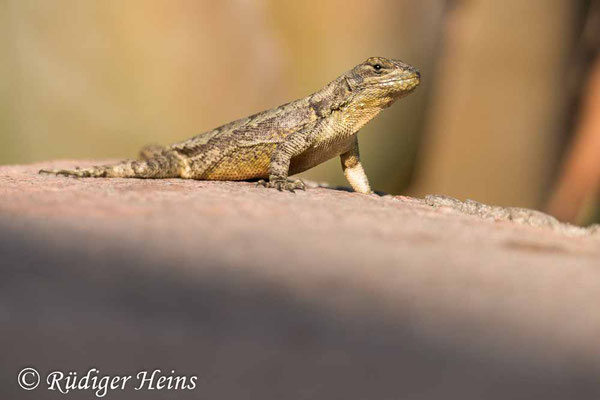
(333, 97)
(337, 101)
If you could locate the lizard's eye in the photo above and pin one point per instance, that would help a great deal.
(377, 67)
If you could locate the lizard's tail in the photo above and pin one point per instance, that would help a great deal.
(159, 166)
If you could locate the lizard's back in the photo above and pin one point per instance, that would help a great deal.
(241, 149)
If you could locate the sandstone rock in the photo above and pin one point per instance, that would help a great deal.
(321, 294)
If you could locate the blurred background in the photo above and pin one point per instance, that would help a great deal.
(508, 112)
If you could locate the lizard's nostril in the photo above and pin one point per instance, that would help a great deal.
(418, 73)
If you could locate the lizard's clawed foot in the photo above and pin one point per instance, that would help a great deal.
(282, 184)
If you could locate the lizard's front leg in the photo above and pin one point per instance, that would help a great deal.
(354, 170)
(279, 166)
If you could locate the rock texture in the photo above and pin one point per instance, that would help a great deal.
(322, 294)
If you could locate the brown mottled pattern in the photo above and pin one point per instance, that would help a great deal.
(284, 140)
(249, 163)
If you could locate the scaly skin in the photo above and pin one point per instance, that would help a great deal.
(282, 141)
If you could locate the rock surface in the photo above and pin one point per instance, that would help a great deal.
(320, 294)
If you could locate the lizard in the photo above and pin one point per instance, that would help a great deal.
(274, 144)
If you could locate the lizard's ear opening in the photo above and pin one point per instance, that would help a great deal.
(348, 83)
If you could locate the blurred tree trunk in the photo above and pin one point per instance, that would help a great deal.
(495, 119)
(576, 191)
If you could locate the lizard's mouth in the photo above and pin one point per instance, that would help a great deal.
(392, 82)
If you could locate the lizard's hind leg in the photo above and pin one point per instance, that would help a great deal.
(160, 166)
(151, 151)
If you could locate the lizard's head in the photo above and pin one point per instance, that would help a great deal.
(379, 82)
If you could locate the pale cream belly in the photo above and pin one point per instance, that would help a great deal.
(319, 154)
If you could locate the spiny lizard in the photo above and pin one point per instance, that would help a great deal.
(281, 141)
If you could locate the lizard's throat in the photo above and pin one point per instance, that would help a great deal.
(359, 116)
